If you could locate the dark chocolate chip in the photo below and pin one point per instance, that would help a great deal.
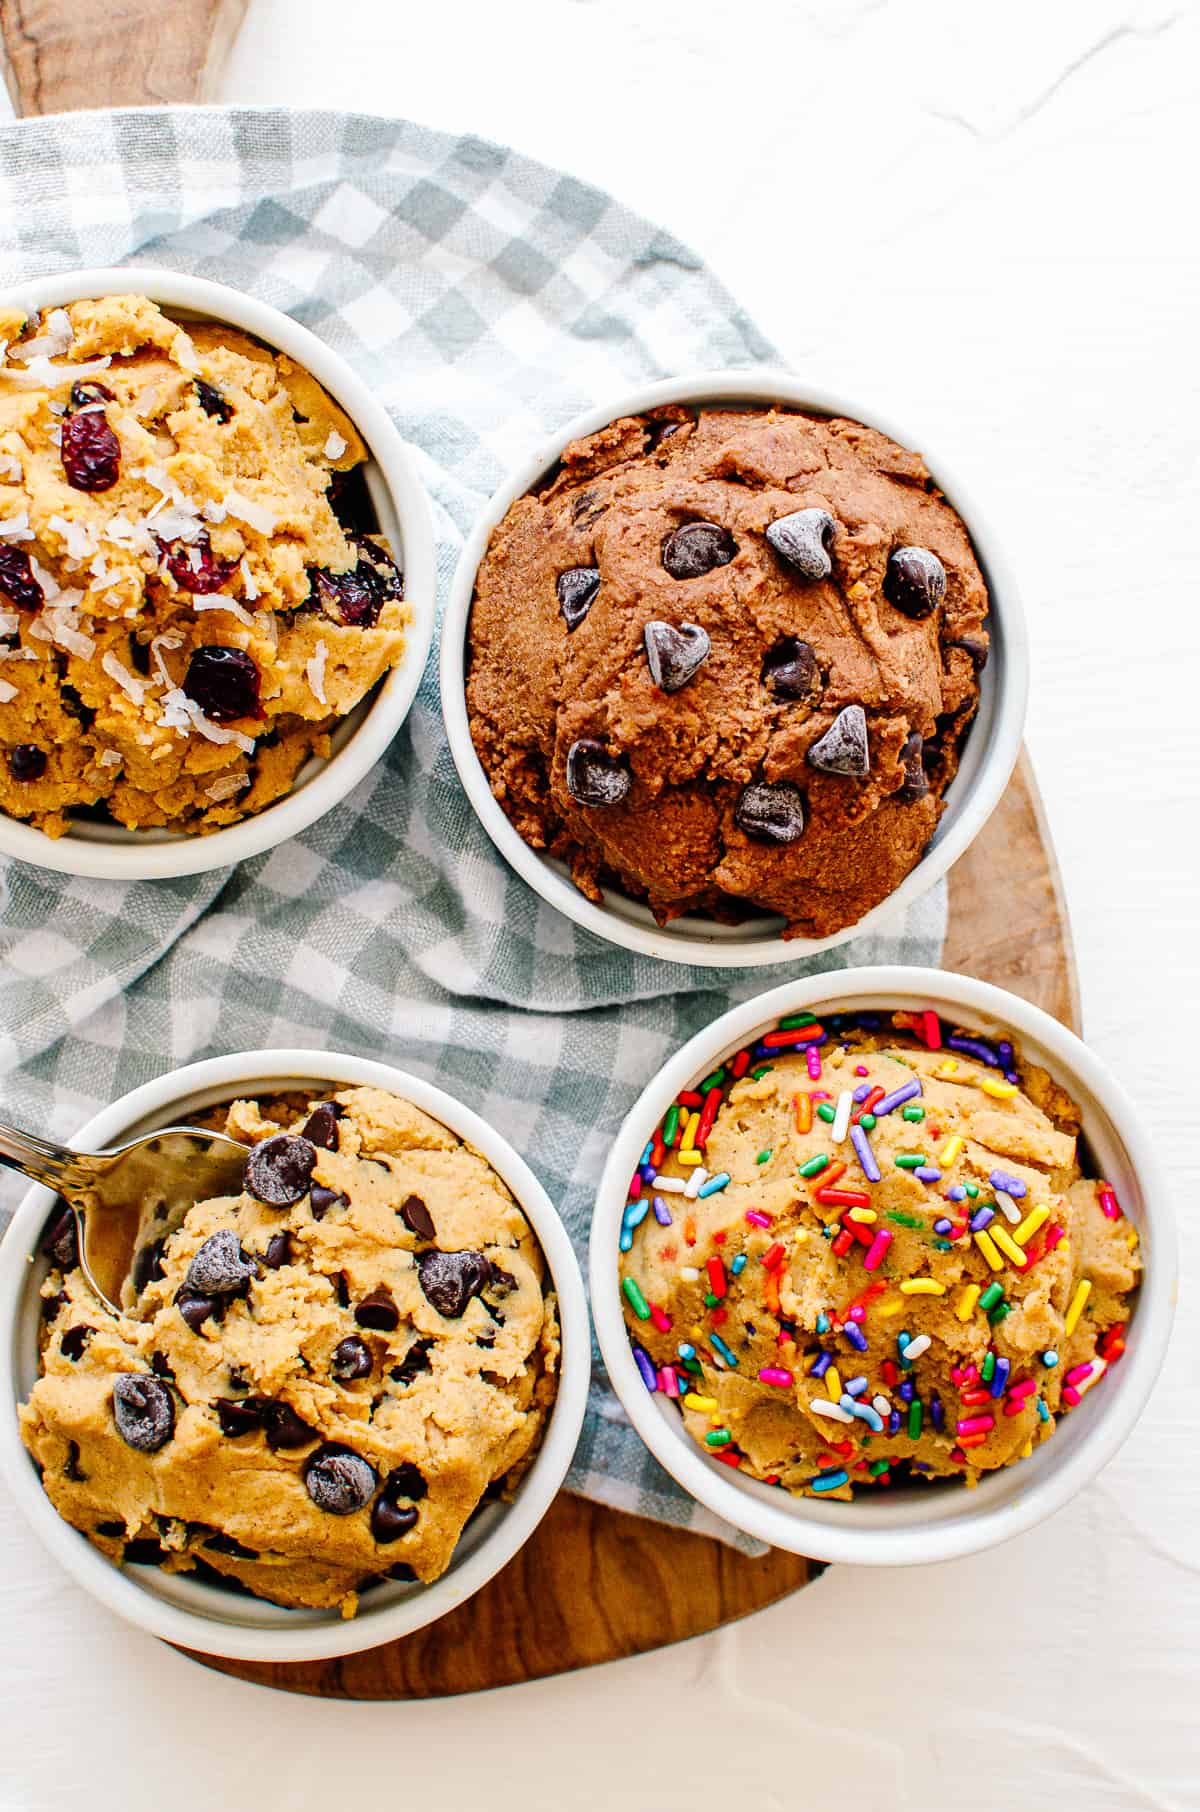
(577, 589)
(771, 812)
(60, 1239)
(74, 1341)
(594, 777)
(147, 1266)
(916, 782)
(790, 669)
(379, 1311)
(502, 1284)
(278, 1252)
(406, 1480)
(212, 401)
(351, 1359)
(417, 1218)
(220, 1267)
(26, 761)
(321, 1127)
(415, 1361)
(843, 749)
(338, 1480)
(195, 1309)
(389, 1521)
(915, 582)
(697, 548)
(401, 1570)
(283, 1426)
(279, 1171)
(974, 645)
(161, 1369)
(675, 656)
(321, 1200)
(343, 1289)
(237, 1417)
(451, 1279)
(143, 1411)
(71, 1467)
(487, 1341)
(803, 540)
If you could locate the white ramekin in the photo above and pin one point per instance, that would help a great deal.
(112, 853)
(922, 1522)
(988, 756)
(206, 1617)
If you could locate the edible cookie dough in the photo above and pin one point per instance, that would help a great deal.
(892, 1263)
(724, 660)
(323, 1376)
(188, 596)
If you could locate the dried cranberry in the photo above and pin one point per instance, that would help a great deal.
(91, 452)
(194, 566)
(17, 582)
(357, 597)
(27, 761)
(212, 402)
(378, 559)
(223, 682)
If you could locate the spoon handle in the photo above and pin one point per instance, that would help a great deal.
(38, 1159)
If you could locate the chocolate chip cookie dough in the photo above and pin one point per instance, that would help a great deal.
(188, 597)
(725, 660)
(324, 1375)
(866, 1250)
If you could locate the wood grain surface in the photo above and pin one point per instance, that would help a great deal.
(69, 54)
(593, 1585)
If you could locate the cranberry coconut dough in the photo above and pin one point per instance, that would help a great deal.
(187, 601)
(896, 1268)
(725, 660)
(323, 1376)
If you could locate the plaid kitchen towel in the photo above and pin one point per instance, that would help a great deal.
(486, 299)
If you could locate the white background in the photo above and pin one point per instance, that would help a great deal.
(981, 219)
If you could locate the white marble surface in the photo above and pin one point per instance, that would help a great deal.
(984, 220)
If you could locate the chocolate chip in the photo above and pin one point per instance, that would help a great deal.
(675, 656)
(195, 1309)
(916, 781)
(278, 1252)
(71, 1467)
(343, 1289)
(351, 1359)
(843, 748)
(321, 1127)
(147, 1266)
(212, 401)
(60, 1239)
(161, 1369)
(26, 761)
(974, 645)
(406, 1480)
(451, 1279)
(697, 548)
(415, 1361)
(771, 812)
(220, 1267)
(595, 777)
(390, 1521)
(379, 1311)
(283, 1426)
(803, 540)
(577, 589)
(237, 1417)
(915, 582)
(502, 1284)
(338, 1480)
(74, 1340)
(279, 1171)
(790, 669)
(143, 1411)
(417, 1218)
(321, 1200)
(401, 1570)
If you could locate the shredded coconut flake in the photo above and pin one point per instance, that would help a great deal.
(10, 622)
(226, 786)
(11, 469)
(249, 588)
(314, 669)
(335, 446)
(40, 374)
(173, 524)
(17, 654)
(67, 635)
(110, 758)
(58, 337)
(214, 512)
(249, 512)
(7, 692)
(131, 535)
(16, 528)
(184, 353)
(183, 714)
(158, 643)
(129, 683)
(79, 537)
(47, 581)
(218, 601)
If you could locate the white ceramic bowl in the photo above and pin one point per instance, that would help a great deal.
(988, 756)
(207, 1617)
(921, 1522)
(110, 852)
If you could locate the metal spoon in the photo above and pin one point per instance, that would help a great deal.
(130, 1196)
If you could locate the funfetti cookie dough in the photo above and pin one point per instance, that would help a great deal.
(188, 597)
(866, 1250)
(725, 659)
(322, 1378)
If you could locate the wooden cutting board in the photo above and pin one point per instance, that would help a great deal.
(592, 1584)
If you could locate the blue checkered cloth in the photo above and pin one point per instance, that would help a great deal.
(486, 299)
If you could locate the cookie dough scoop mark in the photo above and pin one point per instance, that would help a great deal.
(803, 539)
(143, 1411)
(674, 656)
(915, 582)
(594, 777)
(338, 1480)
(220, 1267)
(843, 749)
(450, 1279)
(279, 1171)
(771, 812)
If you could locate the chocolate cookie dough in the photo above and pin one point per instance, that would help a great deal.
(188, 597)
(322, 1377)
(725, 659)
(867, 1251)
